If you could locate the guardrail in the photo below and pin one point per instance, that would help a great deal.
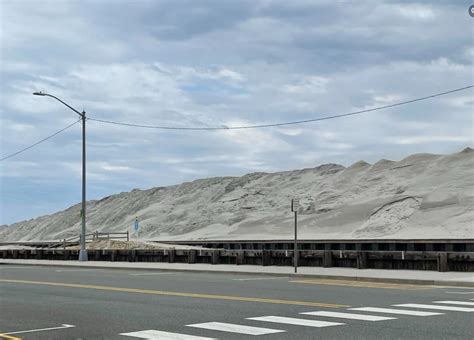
(437, 245)
(440, 261)
(74, 240)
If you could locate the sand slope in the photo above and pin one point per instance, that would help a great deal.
(421, 196)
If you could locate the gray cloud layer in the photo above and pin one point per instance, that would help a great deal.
(206, 63)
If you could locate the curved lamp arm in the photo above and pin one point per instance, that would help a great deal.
(82, 114)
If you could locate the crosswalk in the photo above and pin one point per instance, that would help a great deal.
(154, 334)
(296, 321)
(325, 319)
(349, 316)
(466, 303)
(436, 307)
(232, 328)
(395, 311)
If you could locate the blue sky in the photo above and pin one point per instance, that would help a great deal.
(213, 63)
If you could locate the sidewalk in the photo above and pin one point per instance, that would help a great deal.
(465, 279)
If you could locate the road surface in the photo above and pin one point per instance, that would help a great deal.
(79, 303)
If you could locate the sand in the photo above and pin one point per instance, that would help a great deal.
(118, 244)
(422, 196)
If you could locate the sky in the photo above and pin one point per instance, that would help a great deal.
(221, 63)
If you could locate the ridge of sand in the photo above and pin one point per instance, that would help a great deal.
(421, 196)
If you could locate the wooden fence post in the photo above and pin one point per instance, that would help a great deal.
(192, 255)
(266, 257)
(240, 257)
(443, 262)
(171, 254)
(361, 260)
(215, 256)
(327, 259)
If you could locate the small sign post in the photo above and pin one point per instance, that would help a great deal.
(136, 226)
(295, 204)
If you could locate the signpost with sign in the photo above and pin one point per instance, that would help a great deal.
(295, 205)
(136, 226)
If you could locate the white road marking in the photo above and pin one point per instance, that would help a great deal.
(159, 335)
(350, 316)
(454, 309)
(63, 326)
(460, 293)
(465, 303)
(7, 266)
(75, 270)
(260, 278)
(460, 287)
(148, 274)
(241, 329)
(295, 321)
(395, 311)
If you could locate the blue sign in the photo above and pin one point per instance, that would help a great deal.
(136, 224)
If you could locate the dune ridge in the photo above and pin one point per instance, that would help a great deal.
(421, 196)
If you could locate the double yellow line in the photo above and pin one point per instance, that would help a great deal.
(9, 337)
(179, 294)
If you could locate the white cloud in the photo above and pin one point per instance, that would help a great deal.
(416, 11)
(226, 73)
(308, 85)
(115, 168)
(258, 62)
(191, 171)
(430, 139)
(387, 99)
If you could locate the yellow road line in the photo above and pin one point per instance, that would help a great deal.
(364, 284)
(180, 294)
(9, 337)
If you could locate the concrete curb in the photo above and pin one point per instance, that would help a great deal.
(223, 271)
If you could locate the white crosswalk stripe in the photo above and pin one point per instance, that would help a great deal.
(159, 335)
(395, 311)
(438, 306)
(424, 306)
(349, 316)
(296, 321)
(465, 303)
(233, 328)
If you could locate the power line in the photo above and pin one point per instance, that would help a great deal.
(39, 142)
(283, 123)
(242, 127)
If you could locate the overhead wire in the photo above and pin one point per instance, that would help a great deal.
(204, 128)
(240, 127)
(40, 141)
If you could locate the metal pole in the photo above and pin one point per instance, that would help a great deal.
(83, 251)
(295, 253)
(82, 238)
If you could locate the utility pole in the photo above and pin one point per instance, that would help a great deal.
(82, 251)
(295, 204)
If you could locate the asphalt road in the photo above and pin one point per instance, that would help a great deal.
(72, 303)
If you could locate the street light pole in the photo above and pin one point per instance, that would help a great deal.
(82, 251)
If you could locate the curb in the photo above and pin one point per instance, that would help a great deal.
(291, 275)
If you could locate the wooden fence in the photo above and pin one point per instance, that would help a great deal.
(440, 261)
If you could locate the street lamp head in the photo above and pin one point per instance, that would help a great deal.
(39, 93)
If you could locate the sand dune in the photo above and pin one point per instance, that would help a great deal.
(421, 196)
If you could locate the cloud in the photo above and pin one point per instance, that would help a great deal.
(416, 12)
(430, 139)
(221, 64)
